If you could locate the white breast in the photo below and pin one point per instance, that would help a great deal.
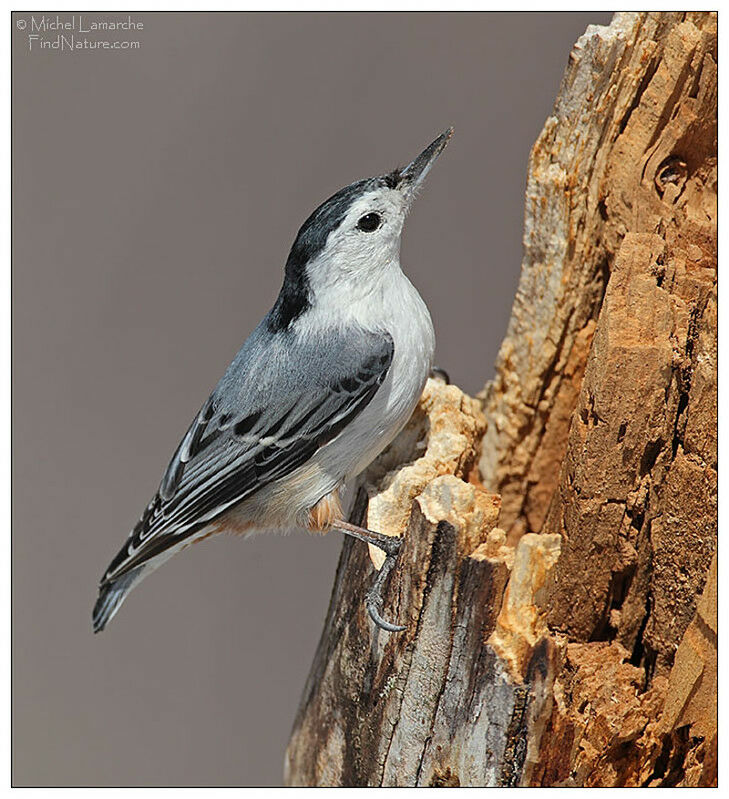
(397, 308)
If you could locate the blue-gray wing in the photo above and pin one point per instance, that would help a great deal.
(280, 400)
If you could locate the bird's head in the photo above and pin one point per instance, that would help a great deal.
(351, 237)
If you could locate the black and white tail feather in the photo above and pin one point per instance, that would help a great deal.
(111, 596)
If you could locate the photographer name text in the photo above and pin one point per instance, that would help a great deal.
(81, 24)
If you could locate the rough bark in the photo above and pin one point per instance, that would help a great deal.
(561, 598)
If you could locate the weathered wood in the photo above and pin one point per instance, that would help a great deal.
(365, 682)
(635, 502)
(572, 643)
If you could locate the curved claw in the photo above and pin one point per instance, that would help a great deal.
(437, 372)
(383, 624)
(374, 601)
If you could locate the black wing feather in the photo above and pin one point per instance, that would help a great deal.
(222, 461)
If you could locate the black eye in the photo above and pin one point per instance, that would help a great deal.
(369, 222)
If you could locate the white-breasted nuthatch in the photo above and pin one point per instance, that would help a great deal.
(322, 385)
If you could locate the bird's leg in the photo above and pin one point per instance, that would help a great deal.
(390, 545)
(440, 374)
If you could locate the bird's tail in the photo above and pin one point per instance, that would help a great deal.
(111, 596)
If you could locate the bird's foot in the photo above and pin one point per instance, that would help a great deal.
(390, 545)
(440, 374)
(374, 600)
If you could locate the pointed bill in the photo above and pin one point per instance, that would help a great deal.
(412, 177)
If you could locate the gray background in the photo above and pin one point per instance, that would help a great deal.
(155, 195)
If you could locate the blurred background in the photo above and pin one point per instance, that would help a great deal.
(156, 193)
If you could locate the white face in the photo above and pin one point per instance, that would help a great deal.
(365, 245)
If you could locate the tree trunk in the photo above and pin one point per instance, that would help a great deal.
(558, 570)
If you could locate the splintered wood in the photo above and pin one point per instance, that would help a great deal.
(560, 600)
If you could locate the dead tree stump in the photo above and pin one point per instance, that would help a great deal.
(558, 574)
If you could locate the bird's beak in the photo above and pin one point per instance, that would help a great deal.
(412, 177)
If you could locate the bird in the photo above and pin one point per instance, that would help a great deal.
(323, 384)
